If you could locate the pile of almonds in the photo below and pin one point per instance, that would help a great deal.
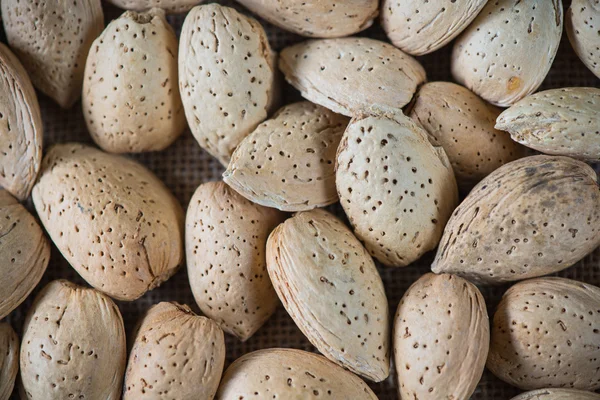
(488, 172)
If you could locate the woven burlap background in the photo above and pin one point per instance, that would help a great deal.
(184, 166)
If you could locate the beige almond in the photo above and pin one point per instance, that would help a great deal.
(288, 162)
(316, 18)
(52, 39)
(112, 219)
(331, 288)
(9, 360)
(582, 24)
(175, 353)
(396, 188)
(463, 124)
(73, 345)
(531, 217)
(351, 74)
(24, 253)
(557, 394)
(131, 99)
(545, 334)
(557, 121)
(21, 131)
(225, 239)
(227, 77)
(289, 374)
(170, 6)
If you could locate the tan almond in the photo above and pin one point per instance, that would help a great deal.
(351, 74)
(531, 217)
(112, 219)
(225, 238)
(175, 353)
(582, 28)
(9, 360)
(557, 394)
(170, 6)
(288, 162)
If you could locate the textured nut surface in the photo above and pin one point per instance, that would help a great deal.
(531, 217)
(441, 338)
(397, 189)
(557, 394)
(9, 360)
(225, 238)
(24, 253)
(351, 74)
(170, 6)
(420, 27)
(52, 39)
(507, 51)
(331, 288)
(463, 124)
(546, 333)
(176, 354)
(112, 219)
(226, 77)
(317, 18)
(131, 97)
(582, 25)
(557, 121)
(288, 162)
(73, 345)
(289, 374)
(21, 132)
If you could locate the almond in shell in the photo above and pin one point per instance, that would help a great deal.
(9, 360)
(582, 26)
(557, 394)
(170, 6)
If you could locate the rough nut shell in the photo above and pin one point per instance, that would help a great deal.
(226, 77)
(112, 219)
(506, 53)
(531, 217)
(52, 39)
(289, 374)
(441, 338)
(226, 236)
(73, 345)
(21, 131)
(288, 162)
(317, 18)
(131, 99)
(582, 25)
(463, 124)
(419, 27)
(351, 74)
(557, 121)
(545, 334)
(9, 360)
(24, 253)
(170, 6)
(397, 189)
(178, 352)
(557, 394)
(329, 285)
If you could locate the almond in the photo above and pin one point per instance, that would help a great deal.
(494, 56)
(131, 97)
(582, 29)
(288, 161)
(226, 77)
(419, 27)
(170, 6)
(225, 237)
(557, 394)
(20, 127)
(441, 338)
(176, 353)
(112, 219)
(289, 374)
(545, 334)
(520, 223)
(557, 121)
(397, 189)
(24, 253)
(316, 18)
(351, 74)
(73, 345)
(329, 285)
(9, 360)
(52, 39)
(463, 124)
